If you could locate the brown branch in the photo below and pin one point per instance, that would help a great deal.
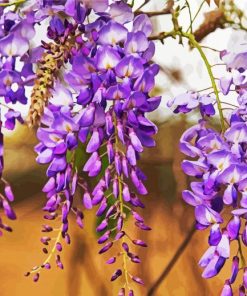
(213, 20)
(166, 10)
(173, 261)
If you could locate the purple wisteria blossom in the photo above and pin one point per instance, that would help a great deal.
(217, 159)
(114, 81)
(109, 81)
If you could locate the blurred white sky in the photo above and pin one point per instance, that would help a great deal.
(173, 55)
(193, 70)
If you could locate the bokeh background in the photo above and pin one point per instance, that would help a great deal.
(85, 271)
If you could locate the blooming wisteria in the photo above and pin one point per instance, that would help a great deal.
(100, 103)
(217, 161)
(89, 83)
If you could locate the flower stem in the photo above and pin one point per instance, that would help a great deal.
(47, 260)
(209, 69)
(243, 262)
(121, 203)
(195, 44)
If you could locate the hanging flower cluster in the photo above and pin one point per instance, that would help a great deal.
(217, 163)
(91, 85)
(15, 33)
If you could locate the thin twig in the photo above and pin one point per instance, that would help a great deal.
(142, 5)
(166, 10)
(172, 262)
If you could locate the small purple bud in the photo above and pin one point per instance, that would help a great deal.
(109, 124)
(134, 178)
(142, 226)
(118, 163)
(94, 142)
(115, 188)
(242, 291)
(119, 235)
(233, 227)
(244, 235)
(8, 210)
(125, 167)
(47, 228)
(121, 292)
(67, 239)
(131, 155)
(131, 293)
(111, 260)
(101, 208)
(137, 280)
(125, 247)
(98, 197)
(107, 178)
(139, 242)
(245, 278)
(235, 268)
(120, 223)
(104, 237)
(8, 192)
(120, 132)
(111, 211)
(126, 193)
(135, 141)
(79, 219)
(116, 274)
(45, 240)
(110, 152)
(227, 289)
(87, 201)
(36, 277)
(47, 266)
(59, 247)
(45, 250)
(135, 259)
(102, 226)
(137, 216)
(106, 248)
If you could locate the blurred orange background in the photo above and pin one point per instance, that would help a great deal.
(85, 271)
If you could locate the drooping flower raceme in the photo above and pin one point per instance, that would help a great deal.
(217, 159)
(15, 32)
(109, 76)
(117, 79)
